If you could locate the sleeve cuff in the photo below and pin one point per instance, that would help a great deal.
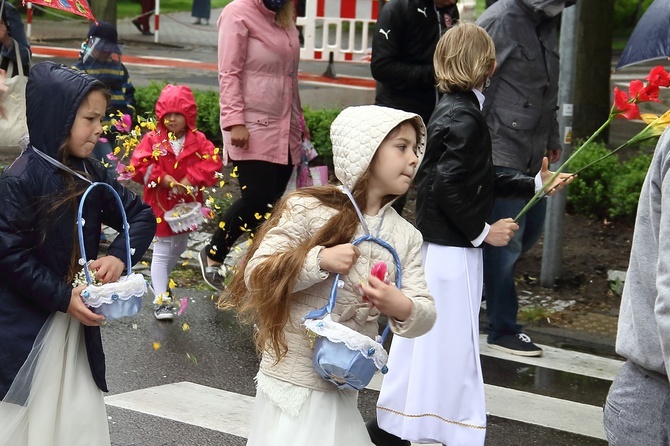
(538, 182)
(479, 240)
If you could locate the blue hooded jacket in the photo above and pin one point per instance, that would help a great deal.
(36, 241)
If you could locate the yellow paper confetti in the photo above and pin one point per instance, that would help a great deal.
(157, 345)
(185, 327)
(172, 284)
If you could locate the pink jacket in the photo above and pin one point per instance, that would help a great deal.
(258, 82)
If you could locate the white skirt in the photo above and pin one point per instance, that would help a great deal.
(53, 400)
(434, 390)
(320, 418)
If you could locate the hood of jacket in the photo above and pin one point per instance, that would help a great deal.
(356, 134)
(177, 99)
(545, 7)
(53, 95)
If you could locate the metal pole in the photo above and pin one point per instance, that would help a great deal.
(552, 252)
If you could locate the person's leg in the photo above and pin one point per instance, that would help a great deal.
(502, 304)
(501, 299)
(261, 185)
(165, 256)
(637, 408)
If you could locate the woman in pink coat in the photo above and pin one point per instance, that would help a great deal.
(258, 82)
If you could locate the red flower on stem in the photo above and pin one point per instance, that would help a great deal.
(624, 107)
(659, 77)
(641, 93)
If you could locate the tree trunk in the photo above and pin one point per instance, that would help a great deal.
(594, 59)
(104, 10)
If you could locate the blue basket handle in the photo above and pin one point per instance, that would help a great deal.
(328, 308)
(81, 233)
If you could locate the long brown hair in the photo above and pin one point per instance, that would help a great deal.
(265, 301)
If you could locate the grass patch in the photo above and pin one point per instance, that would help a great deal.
(128, 8)
(189, 277)
(534, 314)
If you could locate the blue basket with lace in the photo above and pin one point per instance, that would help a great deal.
(343, 356)
(115, 299)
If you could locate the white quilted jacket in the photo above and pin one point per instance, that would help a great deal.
(355, 141)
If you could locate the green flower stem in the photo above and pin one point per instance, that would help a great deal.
(542, 193)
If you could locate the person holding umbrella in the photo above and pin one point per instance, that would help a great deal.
(11, 29)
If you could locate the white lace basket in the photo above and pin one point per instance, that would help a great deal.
(117, 299)
(184, 217)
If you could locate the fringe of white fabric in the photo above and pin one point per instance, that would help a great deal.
(286, 396)
(336, 332)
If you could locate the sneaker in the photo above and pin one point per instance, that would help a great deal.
(196, 22)
(164, 312)
(214, 275)
(516, 344)
(147, 33)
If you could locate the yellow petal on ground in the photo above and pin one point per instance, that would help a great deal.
(267, 215)
(172, 284)
(145, 263)
(157, 345)
(185, 327)
(244, 187)
(185, 263)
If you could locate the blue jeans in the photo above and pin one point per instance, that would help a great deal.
(502, 303)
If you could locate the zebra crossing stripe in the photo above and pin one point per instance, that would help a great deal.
(562, 360)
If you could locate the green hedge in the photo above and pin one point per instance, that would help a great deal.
(318, 121)
(608, 189)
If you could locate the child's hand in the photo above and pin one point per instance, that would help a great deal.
(339, 258)
(559, 183)
(501, 232)
(387, 298)
(108, 268)
(78, 310)
(168, 181)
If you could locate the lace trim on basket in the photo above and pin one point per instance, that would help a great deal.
(354, 340)
(125, 288)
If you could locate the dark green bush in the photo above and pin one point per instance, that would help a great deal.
(626, 13)
(318, 122)
(609, 188)
(627, 185)
(589, 193)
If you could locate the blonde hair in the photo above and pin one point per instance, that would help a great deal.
(464, 58)
(285, 17)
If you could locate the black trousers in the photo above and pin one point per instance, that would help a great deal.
(261, 184)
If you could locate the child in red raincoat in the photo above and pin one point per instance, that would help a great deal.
(173, 162)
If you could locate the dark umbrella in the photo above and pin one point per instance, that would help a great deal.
(651, 36)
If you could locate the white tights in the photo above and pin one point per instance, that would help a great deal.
(166, 254)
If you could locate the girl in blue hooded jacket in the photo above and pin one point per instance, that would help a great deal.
(52, 367)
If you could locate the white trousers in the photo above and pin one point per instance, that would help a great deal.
(434, 390)
(166, 254)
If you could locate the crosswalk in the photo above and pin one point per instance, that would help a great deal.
(565, 395)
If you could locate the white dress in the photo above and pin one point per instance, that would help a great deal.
(288, 415)
(434, 390)
(53, 400)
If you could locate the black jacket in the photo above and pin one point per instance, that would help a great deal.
(35, 241)
(12, 20)
(403, 44)
(456, 180)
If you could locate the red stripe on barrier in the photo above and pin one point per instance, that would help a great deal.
(348, 9)
(348, 56)
(69, 53)
(318, 55)
(320, 8)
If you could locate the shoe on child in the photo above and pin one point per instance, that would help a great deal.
(164, 312)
